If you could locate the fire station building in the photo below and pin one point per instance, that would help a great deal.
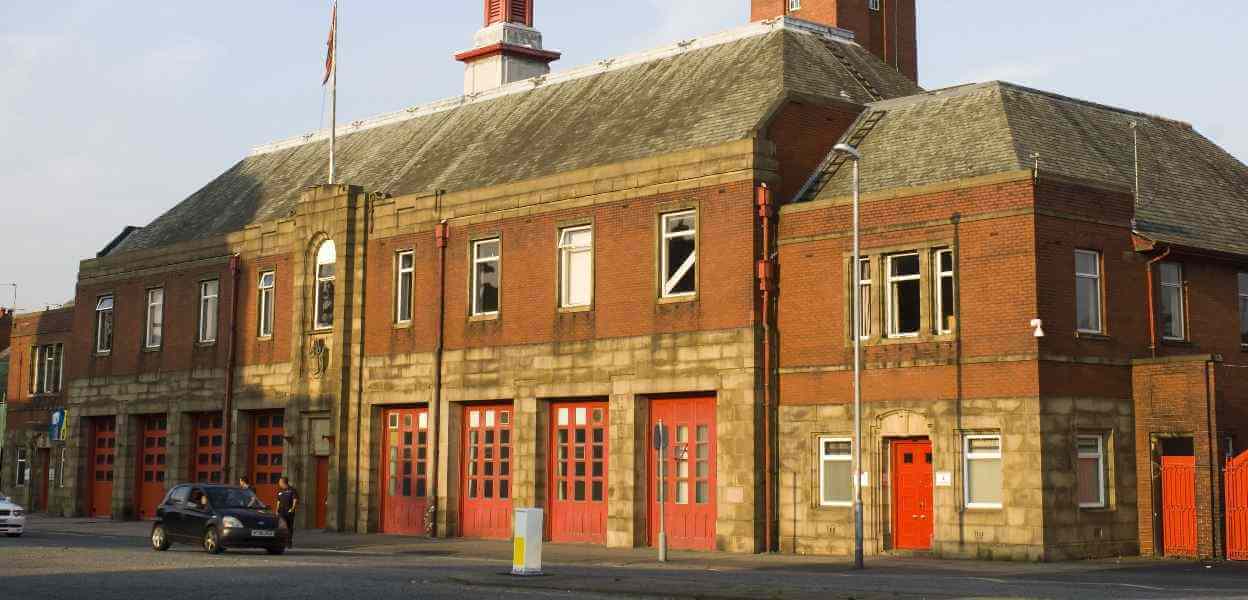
(507, 291)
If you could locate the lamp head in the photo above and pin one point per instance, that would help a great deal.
(847, 149)
(1038, 325)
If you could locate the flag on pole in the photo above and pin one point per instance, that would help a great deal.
(329, 55)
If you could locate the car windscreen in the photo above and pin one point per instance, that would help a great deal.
(232, 498)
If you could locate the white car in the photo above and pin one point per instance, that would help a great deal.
(12, 518)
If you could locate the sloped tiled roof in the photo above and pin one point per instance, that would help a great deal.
(712, 91)
(1192, 192)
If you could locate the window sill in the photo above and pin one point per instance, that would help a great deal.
(205, 344)
(575, 309)
(152, 349)
(835, 506)
(264, 338)
(984, 507)
(1092, 336)
(483, 318)
(1177, 343)
(1096, 509)
(678, 299)
(402, 325)
(102, 354)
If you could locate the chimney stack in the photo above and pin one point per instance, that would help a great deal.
(507, 49)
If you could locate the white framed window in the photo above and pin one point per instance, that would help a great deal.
(486, 263)
(209, 294)
(795, 5)
(49, 368)
(903, 295)
(943, 291)
(60, 472)
(326, 262)
(36, 370)
(1091, 471)
(865, 285)
(836, 471)
(1243, 309)
(104, 324)
(404, 282)
(1173, 326)
(680, 254)
(873, 5)
(22, 466)
(155, 318)
(267, 285)
(982, 467)
(1088, 309)
(576, 266)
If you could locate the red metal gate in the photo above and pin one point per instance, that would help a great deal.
(267, 454)
(578, 467)
(404, 462)
(486, 477)
(1237, 508)
(209, 455)
(103, 451)
(912, 494)
(1178, 505)
(688, 472)
(153, 442)
(322, 491)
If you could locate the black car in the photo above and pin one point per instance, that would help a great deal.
(217, 517)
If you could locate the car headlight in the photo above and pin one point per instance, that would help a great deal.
(18, 513)
(231, 523)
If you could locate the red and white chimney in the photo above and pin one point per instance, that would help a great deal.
(507, 49)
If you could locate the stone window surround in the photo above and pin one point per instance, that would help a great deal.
(112, 311)
(263, 307)
(664, 213)
(148, 346)
(819, 439)
(1106, 441)
(928, 280)
(966, 468)
(561, 270)
(473, 240)
(39, 371)
(199, 329)
(401, 320)
(322, 243)
(1101, 331)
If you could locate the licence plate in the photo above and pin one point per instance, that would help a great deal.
(262, 533)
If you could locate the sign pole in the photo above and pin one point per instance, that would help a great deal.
(660, 445)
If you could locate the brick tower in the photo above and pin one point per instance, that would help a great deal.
(888, 28)
(506, 49)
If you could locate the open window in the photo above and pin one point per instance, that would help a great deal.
(680, 255)
(486, 263)
(104, 324)
(903, 296)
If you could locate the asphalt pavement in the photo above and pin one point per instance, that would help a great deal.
(104, 560)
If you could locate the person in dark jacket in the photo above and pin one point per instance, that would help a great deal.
(287, 504)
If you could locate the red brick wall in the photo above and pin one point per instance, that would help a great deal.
(50, 327)
(6, 326)
(626, 276)
(251, 349)
(890, 33)
(804, 133)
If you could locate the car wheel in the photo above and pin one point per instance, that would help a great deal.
(160, 541)
(14, 534)
(276, 550)
(212, 541)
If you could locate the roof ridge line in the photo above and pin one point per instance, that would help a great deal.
(605, 65)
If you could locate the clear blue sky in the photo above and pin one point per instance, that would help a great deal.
(111, 112)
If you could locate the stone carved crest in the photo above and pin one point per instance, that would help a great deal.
(320, 358)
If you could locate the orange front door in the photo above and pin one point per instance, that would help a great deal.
(103, 451)
(1178, 505)
(578, 467)
(912, 494)
(322, 490)
(486, 477)
(404, 463)
(268, 456)
(688, 493)
(209, 455)
(151, 479)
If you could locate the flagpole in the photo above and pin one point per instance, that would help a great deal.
(333, 91)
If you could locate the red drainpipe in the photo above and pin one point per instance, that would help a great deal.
(227, 407)
(1152, 312)
(766, 284)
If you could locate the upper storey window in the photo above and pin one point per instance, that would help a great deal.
(209, 295)
(104, 324)
(1088, 291)
(1173, 301)
(326, 260)
(154, 333)
(795, 4)
(680, 254)
(486, 263)
(903, 295)
(268, 284)
(576, 267)
(404, 280)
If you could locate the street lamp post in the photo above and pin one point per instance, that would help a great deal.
(856, 273)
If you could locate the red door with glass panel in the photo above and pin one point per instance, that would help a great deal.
(486, 493)
(267, 454)
(209, 454)
(404, 463)
(153, 440)
(103, 452)
(688, 494)
(578, 464)
(912, 494)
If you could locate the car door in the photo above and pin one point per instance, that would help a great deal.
(194, 516)
(170, 511)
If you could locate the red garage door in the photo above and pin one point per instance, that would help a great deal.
(209, 453)
(486, 477)
(404, 461)
(103, 451)
(153, 442)
(578, 463)
(268, 457)
(688, 473)
(1237, 508)
(1178, 505)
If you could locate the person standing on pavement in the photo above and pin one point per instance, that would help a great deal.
(287, 504)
